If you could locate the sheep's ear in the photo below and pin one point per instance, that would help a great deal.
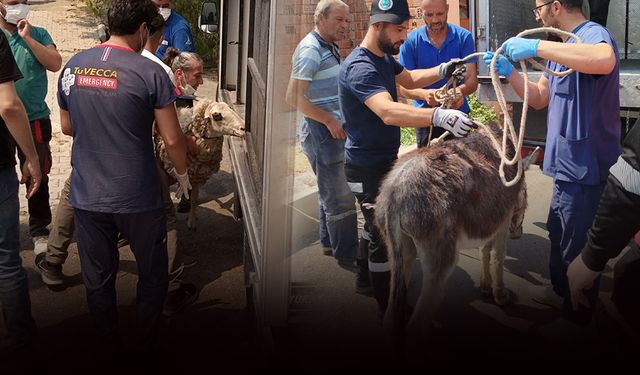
(526, 162)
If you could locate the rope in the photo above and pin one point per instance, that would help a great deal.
(447, 96)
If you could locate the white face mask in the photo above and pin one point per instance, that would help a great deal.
(165, 13)
(187, 90)
(16, 13)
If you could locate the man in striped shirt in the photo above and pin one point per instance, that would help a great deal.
(313, 90)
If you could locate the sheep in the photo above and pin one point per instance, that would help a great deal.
(208, 121)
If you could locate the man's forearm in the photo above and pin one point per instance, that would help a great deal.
(49, 57)
(313, 112)
(585, 58)
(536, 99)
(17, 123)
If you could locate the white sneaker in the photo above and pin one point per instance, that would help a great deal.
(544, 295)
(40, 244)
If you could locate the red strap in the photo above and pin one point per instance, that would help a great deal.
(38, 131)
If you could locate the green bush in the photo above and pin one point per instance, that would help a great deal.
(407, 136)
(206, 44)
(479, 112)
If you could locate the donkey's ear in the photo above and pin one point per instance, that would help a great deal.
(526, 162)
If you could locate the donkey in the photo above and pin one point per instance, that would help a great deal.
(437, 200)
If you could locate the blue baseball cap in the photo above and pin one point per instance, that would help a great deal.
(392, 11)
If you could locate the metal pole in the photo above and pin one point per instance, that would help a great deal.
(626, 34)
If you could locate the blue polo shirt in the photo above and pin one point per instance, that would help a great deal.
(370, 142)
(419, 52)
(583, 124)
(177, 34)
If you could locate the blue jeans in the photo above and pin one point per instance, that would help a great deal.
(338, 221)
(14, 290)
(573, 208)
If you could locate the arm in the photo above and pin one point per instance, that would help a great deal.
(585, 58)
(15, 118)
(399, 114)
(169, 129)
(65, 123)
(48, 56)
(616, 220)
(538, 91)
(419, 78)
(295, 97)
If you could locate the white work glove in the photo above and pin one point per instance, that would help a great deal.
(183, 183)
(456, 122)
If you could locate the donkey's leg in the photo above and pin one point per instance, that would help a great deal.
(191, 219)
(403, 254)
(500, 293)
(436, 263)
(485, 268)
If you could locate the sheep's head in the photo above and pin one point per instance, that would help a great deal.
(223, 120)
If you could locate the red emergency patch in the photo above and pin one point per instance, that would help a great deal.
(97, 82)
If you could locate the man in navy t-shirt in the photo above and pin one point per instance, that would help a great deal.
(583, 130)
(373, 117)
(109, 97)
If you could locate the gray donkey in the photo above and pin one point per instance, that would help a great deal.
(437, 200)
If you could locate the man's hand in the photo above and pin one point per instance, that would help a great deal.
(183, 183)
(521, 48)
(31, 173)
(335, 128)
(458, 102)
(456, 122)
(24, 29)
(457, 66)
(430, 97)
(503, 66)
(580, 278)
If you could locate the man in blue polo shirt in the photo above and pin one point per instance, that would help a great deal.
(177, 32)
(435, 43)
(313, 90)
(373, 117)
(583, 130)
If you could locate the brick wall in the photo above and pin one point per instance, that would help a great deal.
(298, 21)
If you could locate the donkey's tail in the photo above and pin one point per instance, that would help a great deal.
(396, 314)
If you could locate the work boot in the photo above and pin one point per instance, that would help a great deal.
(51, 274)
(363, 282)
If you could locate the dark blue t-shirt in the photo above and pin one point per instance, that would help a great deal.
(583, 122)
(370, 142)
(111, 93)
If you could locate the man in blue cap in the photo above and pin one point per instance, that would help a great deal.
(373, 117)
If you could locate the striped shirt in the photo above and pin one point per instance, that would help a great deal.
(318, 62)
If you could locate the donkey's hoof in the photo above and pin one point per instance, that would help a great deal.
(485, 289)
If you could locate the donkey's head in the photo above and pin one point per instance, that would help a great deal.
(515, 227)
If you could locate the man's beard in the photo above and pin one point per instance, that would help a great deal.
(386, 46)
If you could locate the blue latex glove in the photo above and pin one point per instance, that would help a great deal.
(521, 48)
(503, 66)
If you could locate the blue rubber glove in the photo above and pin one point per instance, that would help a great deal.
(503, 66)
(521, 48)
